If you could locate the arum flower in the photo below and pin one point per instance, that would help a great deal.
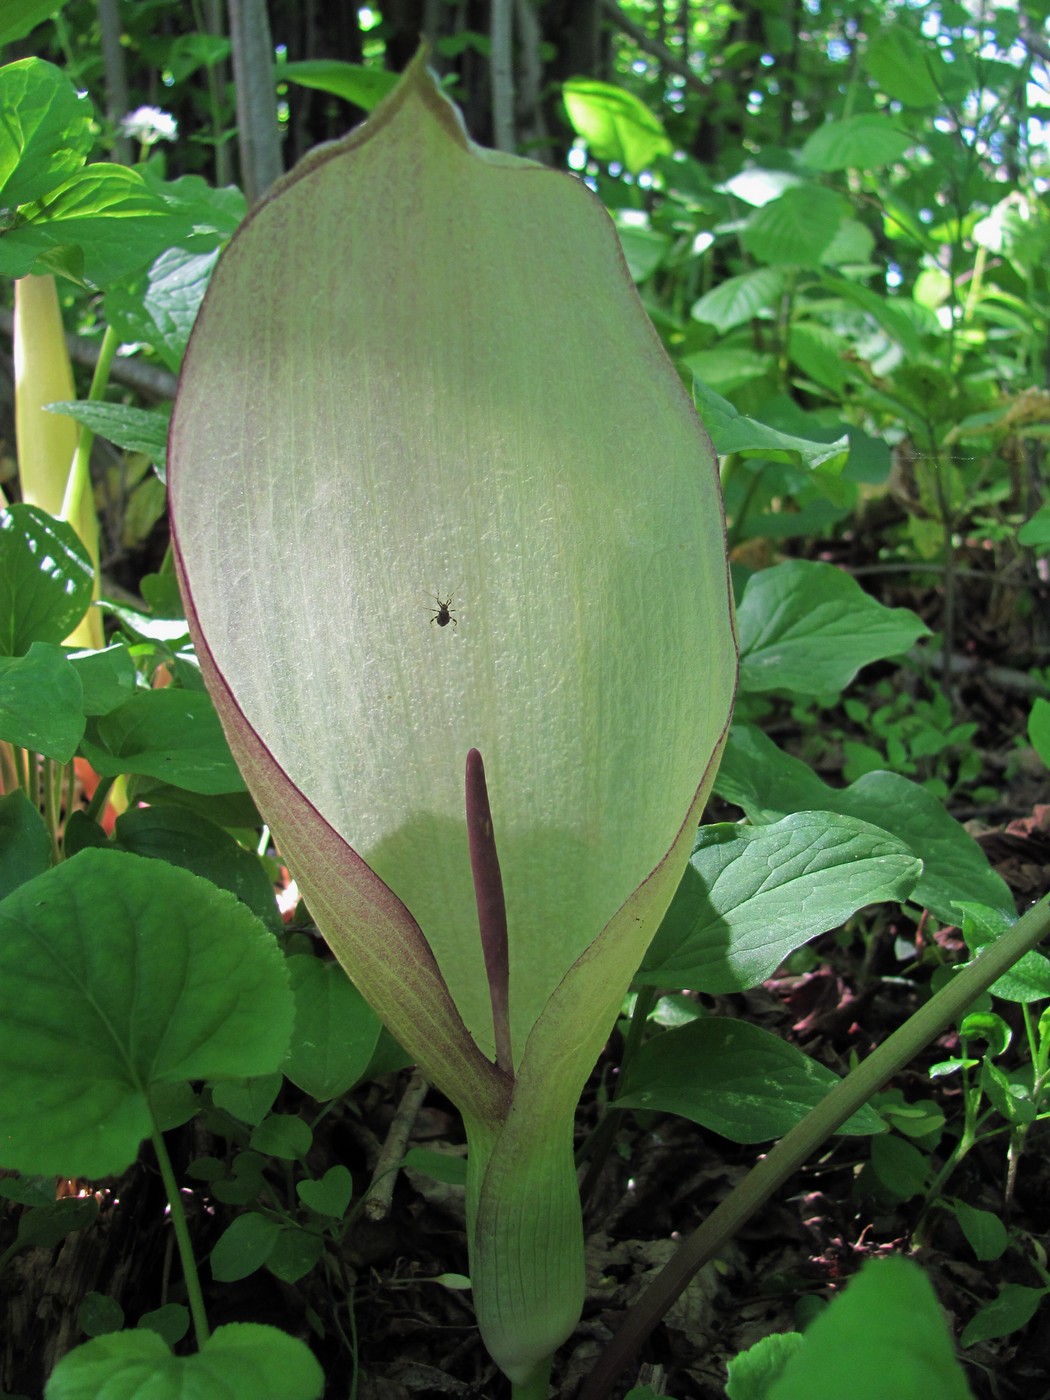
(422, 376)
(47, 441)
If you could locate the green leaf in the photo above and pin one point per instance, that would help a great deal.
(296, 1252)
(768, 784)
(883, 1335)
(161, 307)
(244, 1247)
(733, 432)
(107, 677)
(46, 578)
(750, 1374)
(891, 317)
(1035, 532)
(644, 249)
(42, 1227)
(1013, 1309)
(240, 1359)
(364, 87)
(282, 1135)
(329, 1196)
(820, 354)
(795, 228)
(336, 1031)
(752, 895)
(906, 67)
(900, 1166)
(171, 734)
(1027, 981)
(134, 429)
(985, 1233)
(616, 124)
(442, 1166)
(170, 1321)
(865, 142)
(99, 1314)
(183, 838)
(809, 628)
(1039, 728)
(248, 1100)
(118, 974)
(45, 127)
(739, 299)
(732, 1077)
(25, 846)
(41, 702)
(727, 368)
(102, 223)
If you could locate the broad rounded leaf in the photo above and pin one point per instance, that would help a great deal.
(186, 838)
(739, 299)
(335, 1032)
(118, 974)
(809, 628)
(796, 228)
(244, 1246)
(1014, 1307)
(907, 67)
(25, 845)
(732, 1077)
(769, 784)
(865, 141)
(45, 124)
(46, 577)
(240, 1359)
(364, 87)
(752, 895)
(41, 702)
(884, 1335)
(171, 734)
(616, 124)
(106, 221)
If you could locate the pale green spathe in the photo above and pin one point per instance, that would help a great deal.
(439, 380)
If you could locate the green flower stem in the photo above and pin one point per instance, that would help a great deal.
(52, 778)
(805, 1137)
(78, 473)
(182, 1239)
(536, 1388)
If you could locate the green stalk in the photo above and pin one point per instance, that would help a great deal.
(536, 1388)
(805, 1137)
(182, 1239)
(78, 473)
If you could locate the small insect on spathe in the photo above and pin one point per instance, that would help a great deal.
(443, 613)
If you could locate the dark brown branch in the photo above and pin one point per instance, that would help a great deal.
(645, 41)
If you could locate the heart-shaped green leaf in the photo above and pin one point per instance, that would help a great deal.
(329, 1196)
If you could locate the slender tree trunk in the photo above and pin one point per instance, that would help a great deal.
(116, 76)
(502, 72)
(258, 136)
